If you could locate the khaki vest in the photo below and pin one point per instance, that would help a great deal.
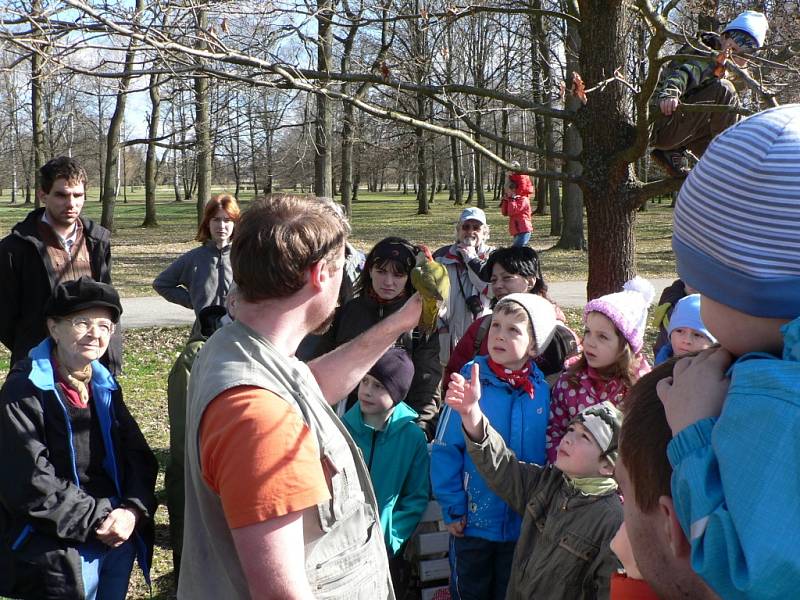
(345, 555)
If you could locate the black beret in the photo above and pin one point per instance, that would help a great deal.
(74, 296)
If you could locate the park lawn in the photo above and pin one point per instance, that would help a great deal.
(140, 254)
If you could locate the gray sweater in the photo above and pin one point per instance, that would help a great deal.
(199, 278)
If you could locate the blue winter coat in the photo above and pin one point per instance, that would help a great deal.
(521, 421)
(398, 462)
(736, 479)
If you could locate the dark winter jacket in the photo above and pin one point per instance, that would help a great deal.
(563, 548)
(45, 514)
(27, 280)
(198, 278)
(363, 312)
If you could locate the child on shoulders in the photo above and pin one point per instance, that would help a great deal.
(571, 508)
(516, 206)
(611, 362)
(686, 331)
(394, 448)
(516, 397)
(735, 450)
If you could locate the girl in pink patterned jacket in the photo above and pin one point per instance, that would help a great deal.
(611, 361)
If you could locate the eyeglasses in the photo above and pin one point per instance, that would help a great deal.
(82, 324)
(466, 226)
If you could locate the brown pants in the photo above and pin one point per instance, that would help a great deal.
(695, 130)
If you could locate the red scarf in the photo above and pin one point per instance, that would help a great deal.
(516, 379)
(595, 384)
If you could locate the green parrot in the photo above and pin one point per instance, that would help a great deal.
(430, 279)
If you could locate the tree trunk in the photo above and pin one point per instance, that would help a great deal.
(110, 187)
(323, 130)
(202, 124)
(150, 161)
(572, 237)
(606, 128)
(422, 162)
(37, 99)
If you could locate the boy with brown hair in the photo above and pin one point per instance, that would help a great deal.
(643, 472)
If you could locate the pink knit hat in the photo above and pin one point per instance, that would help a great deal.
(626, 309)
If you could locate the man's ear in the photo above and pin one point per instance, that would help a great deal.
(318, 273)
(40, 195)
(676, 539)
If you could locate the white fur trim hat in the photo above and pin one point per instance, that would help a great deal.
(626, 309)
(752, 23)
(541, 313)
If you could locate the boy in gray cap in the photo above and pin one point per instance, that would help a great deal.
(571, 509)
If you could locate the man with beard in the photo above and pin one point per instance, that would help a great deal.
(659, 545)
(278, 499)
(469, 295)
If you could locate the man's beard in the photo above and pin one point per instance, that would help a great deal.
(326, 324)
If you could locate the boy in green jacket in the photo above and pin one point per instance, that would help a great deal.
(571, 509)
(395, 450)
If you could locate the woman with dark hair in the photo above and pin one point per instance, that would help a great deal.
(77, 494)
(383, 287)
(203, 276)
(511, 270)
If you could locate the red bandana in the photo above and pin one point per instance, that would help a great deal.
(597, 384)
(517, 379)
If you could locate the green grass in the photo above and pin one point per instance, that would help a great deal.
(139, 254)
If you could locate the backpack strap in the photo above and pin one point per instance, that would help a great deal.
(483, 329)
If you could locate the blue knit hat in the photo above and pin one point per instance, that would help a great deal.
(752, 23)
(687, 314)
(736, 234)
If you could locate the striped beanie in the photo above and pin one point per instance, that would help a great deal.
(736, 234)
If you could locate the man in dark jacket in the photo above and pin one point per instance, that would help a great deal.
(51, 245)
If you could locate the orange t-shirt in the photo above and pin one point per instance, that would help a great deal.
(259, 456)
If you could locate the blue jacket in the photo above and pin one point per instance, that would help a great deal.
(521, 421)
(736, 479)
(398, 462)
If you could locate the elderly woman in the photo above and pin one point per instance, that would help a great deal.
(203, 276)
(77, 488)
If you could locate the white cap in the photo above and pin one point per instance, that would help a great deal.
(751, 22)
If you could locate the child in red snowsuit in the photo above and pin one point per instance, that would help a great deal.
(517, 207)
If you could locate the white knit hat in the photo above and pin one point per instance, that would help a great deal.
(541, 313)
(751, 22)
(626, 309)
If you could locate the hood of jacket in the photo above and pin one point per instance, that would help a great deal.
(401, 415)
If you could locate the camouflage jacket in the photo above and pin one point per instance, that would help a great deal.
(682, 77)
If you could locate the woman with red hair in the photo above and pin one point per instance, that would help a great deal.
(203, 276)
(517, 207)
